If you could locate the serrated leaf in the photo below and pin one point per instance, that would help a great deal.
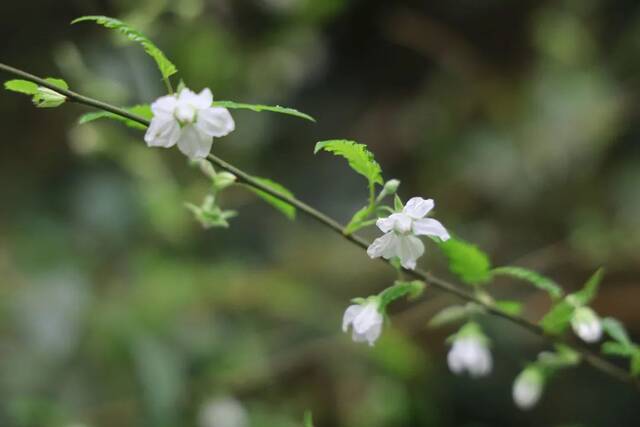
(21, 86)
(616, 330)
(558, 318)
(142, 110)
(288, 210)
(511, 307)
(448, 315)
(613, 348)
(359, 157)
(539, 281)
(166, 67)
(588, 293)
(467, 261)
(259, 108)
(400, 289)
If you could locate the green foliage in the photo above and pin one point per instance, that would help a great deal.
(510, 307)
(448, 315)
(616, 330)
(400, 289)
(21, 86)
(360, 159)
(397, 203)
(166, 67)
(142, 110)
(288, 210)
(558, 318)
(563, 357)
(43, 97)
(259, 108)
(308, 419)
(588, 293)
(358, 220)
(467, 261)
(613, 348)
(543, 283)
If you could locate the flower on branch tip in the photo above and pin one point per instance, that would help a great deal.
(401, 229)
(470, 353)
(365, 319)
(189, 120)
(527, 388)
(586, 324)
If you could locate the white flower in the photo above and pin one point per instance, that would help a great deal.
(223, 412)
(366, 321)
(470, 353)
(586, 324)
(527, 388)
(401, 230)
(189, 120)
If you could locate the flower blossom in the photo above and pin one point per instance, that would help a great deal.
(401, 229)
(365, 319)
(586, 324)
(189, 120)
(527, 388)
(470, 353)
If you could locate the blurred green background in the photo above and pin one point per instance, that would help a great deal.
(117, 309)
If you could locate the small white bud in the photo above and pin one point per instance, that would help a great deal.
(527, 388)
(586, 324)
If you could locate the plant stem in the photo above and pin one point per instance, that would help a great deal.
(592, 358)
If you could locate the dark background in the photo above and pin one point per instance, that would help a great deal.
(519, 118)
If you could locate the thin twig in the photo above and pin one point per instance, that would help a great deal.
(592, 358)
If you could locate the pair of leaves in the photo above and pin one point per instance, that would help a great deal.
(621, 345)
(42, 97)
(467, 261)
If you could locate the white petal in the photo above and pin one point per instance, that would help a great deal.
(187, 96)
(384, 246)
(164, 106)
(409, 249)
(417, 207)
(373, 333)
(162, 132)
(526, 394)
(350, 313)
(215, 121)
(194, 143)
(204, 99)
(367, 318)
(454, 361)
(430, 227)
(385, 224)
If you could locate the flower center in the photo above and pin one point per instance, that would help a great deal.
(402, 225)
(185, 113)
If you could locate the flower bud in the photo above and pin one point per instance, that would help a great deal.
(390, 187)
(47, 98)
(586, 324)
(527, 388)
(223, 180)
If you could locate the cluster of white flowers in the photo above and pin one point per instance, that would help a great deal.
(401, 229)
(188, 120)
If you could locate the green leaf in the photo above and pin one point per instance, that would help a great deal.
(259, 108)
(558, 318)
(167, 69)
(613, 348)
(399, 289)
(308, 419)
(58, 82)
(288, 210)
(552, 288)
(360, 159)
(467, 261)
(448, 315)
(510, 307)
(563, 357)
(358, 220)
(21, 86)
(588, 293)
(616, 330)
(142, 110)
(635, 363)
(397, 203)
